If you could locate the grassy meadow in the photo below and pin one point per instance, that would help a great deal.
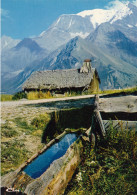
(125, 91)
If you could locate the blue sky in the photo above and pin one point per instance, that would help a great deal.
(28, 18)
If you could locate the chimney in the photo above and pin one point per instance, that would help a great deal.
(86, 68)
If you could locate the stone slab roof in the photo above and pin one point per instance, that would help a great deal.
(57, 79)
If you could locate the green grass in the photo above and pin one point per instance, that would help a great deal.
(37, 123)
(110, 169)
(6, 97)
(126, 91)
(22, 124)
(40, 121)
(12, 155)
(13, 150)
(8, 132)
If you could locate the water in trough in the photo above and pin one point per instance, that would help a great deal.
(43, 161)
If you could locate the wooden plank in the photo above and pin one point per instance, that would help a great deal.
(99, 120)
(127, 104)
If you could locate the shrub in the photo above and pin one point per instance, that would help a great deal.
(32, 95)
(19, 95)
(38, 95)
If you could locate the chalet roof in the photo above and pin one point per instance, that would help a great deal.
(57, 79)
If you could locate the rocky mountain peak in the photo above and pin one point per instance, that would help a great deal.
(30, 44)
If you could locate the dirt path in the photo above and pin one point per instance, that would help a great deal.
(26, 102)
(112, 104)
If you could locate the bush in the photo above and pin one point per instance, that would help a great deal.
(19, 95)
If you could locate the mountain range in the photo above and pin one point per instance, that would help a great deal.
(107, 36)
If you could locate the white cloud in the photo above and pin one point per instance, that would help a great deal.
(116, 4)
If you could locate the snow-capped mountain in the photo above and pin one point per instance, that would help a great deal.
(82, 24)
(107, 36)
(99, 16)
(62, 30)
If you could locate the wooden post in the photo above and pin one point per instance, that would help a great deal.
(97, 125)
